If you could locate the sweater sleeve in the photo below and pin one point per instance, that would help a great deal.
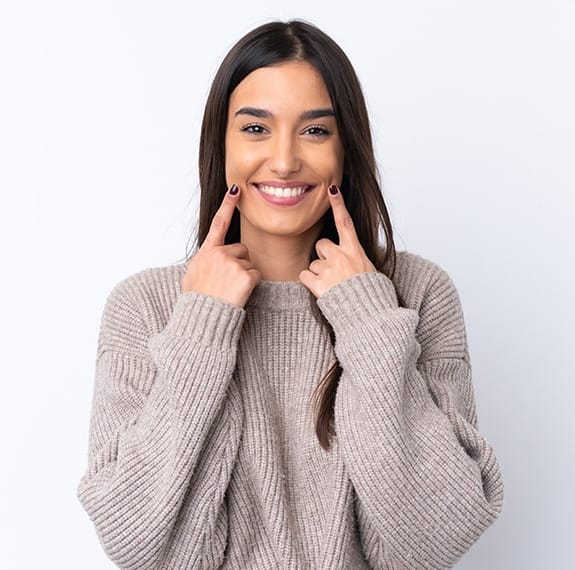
(164, 429)
(426, 480)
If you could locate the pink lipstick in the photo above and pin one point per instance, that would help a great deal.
(283, 200)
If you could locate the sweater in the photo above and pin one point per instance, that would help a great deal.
(202, 449)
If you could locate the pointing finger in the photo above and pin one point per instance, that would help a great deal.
(222, 218)
(342, 218)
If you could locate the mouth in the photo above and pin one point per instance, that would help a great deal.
(283, 196)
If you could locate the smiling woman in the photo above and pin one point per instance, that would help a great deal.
(294, 395)
(285, 156)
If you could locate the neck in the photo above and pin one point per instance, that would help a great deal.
(279, 257)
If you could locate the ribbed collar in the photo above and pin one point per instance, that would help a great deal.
(279, 296)
(273, 295)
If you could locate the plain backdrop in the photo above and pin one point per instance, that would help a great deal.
(472, 108)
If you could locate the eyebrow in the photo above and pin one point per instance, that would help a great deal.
(265, 114)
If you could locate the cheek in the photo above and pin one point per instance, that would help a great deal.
(240, 160)
(330, 163)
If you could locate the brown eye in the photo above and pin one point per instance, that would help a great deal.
(317, 131)
(253, 129)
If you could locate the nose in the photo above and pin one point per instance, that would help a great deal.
(284, 158)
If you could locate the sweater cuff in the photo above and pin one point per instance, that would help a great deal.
(357, 297)
(209, 320)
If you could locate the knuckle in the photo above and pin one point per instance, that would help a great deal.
(347, 222)
(219, 255)
(218, 222)
(244, 278)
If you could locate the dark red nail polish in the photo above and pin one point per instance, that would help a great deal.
(234, 189)
(332, 189)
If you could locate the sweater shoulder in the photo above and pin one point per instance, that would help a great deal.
(415, 274)
(138, 306)
(427, 287)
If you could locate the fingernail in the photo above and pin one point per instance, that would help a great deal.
(332, 189)
(234, 189)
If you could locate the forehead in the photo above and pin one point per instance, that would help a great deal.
(293, 86)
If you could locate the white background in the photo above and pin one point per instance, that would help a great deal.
(472, 106)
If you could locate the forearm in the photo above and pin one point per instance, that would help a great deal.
(149, 452)
(425, 477)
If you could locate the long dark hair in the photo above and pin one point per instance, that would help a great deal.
(280, 42)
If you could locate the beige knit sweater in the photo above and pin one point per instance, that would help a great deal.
(202, 452)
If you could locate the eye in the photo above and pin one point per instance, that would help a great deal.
(253, 129)
(317, 131)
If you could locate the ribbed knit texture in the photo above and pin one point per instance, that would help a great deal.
(202, 451)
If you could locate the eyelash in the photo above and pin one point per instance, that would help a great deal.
(324, 132)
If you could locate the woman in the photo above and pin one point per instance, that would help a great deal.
(294, 395)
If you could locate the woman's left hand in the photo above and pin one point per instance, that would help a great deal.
(337, 262)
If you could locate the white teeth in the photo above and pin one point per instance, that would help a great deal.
(282, 192)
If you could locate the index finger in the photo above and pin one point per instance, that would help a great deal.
(222, 218)
(343, 220)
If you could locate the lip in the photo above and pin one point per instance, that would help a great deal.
(284, 184)
(277, 201)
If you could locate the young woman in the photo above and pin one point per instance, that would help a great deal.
(293, 395)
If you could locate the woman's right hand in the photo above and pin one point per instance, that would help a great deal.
(223, 271)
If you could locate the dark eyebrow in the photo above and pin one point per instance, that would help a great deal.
(316, 114)
(265, 114)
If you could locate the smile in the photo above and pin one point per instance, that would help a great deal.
(283, 196)
(282, 192)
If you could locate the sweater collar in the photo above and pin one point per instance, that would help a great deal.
(273, 295)
(279, 295)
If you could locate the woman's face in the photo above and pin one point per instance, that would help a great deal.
(281, 133)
